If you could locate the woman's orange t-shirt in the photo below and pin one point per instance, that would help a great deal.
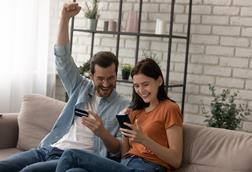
(154, 125)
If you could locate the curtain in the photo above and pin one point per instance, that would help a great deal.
(26, 58)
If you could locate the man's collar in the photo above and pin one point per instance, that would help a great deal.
(111, 96)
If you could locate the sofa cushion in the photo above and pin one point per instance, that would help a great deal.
(37, 116)
(203, 168)
(215, 148)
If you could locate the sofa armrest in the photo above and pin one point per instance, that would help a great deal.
(8, 130)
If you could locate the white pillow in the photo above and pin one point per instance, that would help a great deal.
(37, 116)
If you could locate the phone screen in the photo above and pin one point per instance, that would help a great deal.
(121, 119)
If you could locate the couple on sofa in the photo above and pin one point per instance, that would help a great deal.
(153, 142)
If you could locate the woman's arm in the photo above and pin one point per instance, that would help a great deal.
(173, 154)
(124, 145)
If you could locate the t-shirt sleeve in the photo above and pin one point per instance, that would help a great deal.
(173, 116)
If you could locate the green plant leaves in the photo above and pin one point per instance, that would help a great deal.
(225, 113)
(85, 68)
(92, 10)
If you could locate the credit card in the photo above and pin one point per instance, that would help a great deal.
(80, 112)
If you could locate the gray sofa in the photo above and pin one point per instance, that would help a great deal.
(205, 149)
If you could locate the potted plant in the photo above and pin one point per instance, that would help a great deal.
(225, 113)
(126, 69)
(85, 69)
(91, 13)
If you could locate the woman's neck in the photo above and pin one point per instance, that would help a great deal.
(152, 106)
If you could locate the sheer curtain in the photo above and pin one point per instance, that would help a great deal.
(26, 58)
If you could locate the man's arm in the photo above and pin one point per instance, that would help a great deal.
(68, 11)
(95, 124)
(111, 143)
(67, 69)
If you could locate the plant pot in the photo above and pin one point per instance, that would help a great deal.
(125, 75)
(92, 24)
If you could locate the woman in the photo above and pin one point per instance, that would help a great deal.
(154, 142)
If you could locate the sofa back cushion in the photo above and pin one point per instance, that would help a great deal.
(210, 149)
(37, 116)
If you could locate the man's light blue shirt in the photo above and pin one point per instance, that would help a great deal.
(81, 91)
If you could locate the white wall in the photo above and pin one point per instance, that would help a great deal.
(220, 47)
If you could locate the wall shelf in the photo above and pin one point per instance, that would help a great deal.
(131, 34)
(170, 36)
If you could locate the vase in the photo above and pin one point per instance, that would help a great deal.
(105, 26)
(125, 75)
(132, 22)
(160, 26)
(112, 26)
(92, 24)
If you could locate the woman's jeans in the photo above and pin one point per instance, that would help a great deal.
(80, 161)
(39, 160)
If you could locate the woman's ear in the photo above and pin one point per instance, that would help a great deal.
(160, 81)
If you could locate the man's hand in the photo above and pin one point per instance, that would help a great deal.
(94, 123)
(70, 10)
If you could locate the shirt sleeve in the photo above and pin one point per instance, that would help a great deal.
(173, 117)
(66, 68)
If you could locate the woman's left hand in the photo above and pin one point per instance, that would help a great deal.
(134, 135)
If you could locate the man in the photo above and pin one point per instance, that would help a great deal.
(94, 133)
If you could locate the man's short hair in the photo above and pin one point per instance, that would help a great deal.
(103, 59)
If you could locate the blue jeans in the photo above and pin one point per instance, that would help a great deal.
(40, 159)
(74, 160)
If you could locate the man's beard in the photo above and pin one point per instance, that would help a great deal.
(104, 92)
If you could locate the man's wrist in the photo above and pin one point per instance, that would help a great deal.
(103, 132)
(64, 20)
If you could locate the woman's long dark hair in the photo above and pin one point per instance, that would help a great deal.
(150, 68)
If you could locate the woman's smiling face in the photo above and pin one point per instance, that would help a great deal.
(146, 87)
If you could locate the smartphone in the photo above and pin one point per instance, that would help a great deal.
(123, 118)
(80, 112)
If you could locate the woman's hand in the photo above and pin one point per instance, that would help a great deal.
(125, 111)
(134, 135)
